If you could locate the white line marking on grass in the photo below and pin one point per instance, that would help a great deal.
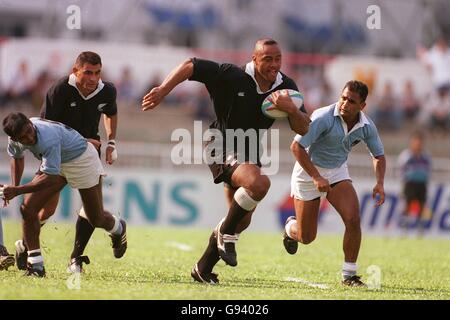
(311, 284)
(179, 245)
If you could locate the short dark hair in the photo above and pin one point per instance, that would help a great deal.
(264, 42)
(267, 41)
(14, 123)
(88, 57)
(359, 87)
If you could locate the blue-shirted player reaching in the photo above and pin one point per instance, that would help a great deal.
(321, 170)
(66, 158)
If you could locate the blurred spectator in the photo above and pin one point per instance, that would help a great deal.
(410, 104)
(20, 85)
(437, 60)
(438, 109)
(41, 85)
(126, 88)
(388, 114)
(414, 165)
(320, 95)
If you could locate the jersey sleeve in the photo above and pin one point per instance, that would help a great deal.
(374, 143)
(15, 149)
(111, 108)
(51, 160)
(209, 72)
(317, 127)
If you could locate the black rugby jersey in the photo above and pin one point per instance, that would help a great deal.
(234, 94)
(64, 103)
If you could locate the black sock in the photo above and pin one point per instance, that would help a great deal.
(234, 216)
(83, 232)
(210, 257)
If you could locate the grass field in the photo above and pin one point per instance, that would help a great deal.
(158, 262)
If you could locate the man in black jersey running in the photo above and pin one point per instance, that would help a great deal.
(79, 100)
(237, 94)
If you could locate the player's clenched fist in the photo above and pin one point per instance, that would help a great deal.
(321, 184)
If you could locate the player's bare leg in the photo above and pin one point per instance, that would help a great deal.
(252, 187)
(202, 271)
(93, 207)
(44, 214)
(32, 204)
(304, 228)
(344, 199)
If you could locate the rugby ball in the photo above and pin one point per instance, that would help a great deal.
(296, 97)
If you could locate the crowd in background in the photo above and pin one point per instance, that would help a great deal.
(389, 109)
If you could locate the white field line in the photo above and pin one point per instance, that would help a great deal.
(311, 284)
(179, 246)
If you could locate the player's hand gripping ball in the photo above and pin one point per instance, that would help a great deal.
(296, 97)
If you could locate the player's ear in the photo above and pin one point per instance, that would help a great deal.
(74, 70)
(363, 105)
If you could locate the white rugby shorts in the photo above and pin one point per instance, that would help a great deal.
(85, 171)
(302, 185)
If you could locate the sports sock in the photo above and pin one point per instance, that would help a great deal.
(287, 227)
(349, 269)
(83, 232)
(35, 258)
(117, 228)
(241, 205)
(21, 245)
(210, 257)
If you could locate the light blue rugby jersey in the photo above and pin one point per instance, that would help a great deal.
(56, 143)
(328, 143)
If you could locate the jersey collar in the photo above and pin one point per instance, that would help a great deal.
(361, 123)
(250, 70)
(73, 80)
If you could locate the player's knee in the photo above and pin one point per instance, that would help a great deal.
(27, 213)
(259, 187)
(307, 238)
(352, 222)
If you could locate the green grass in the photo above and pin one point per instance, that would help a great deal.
(152, 269)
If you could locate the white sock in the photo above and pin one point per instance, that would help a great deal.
(117, 228)
(35, 258)
(287, 227)
(349, 269)
(19, 245)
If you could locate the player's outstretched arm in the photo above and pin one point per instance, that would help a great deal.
(40, 182)
(379, 165)
(303, 159)
(181, 73)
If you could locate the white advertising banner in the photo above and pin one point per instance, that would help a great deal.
(191, 199)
